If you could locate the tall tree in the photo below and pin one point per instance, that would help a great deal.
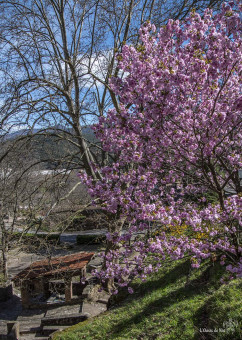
(56, 61)
(57, 58)
(180, 116)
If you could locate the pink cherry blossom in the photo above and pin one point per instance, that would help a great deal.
(175, 137)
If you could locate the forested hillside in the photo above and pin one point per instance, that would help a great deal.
(53, 148)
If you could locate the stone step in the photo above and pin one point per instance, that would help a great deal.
(30, 330)
(33, 337)
(29, 327)
(63, 310)
(66, 320)
(48, 330)
(94, 308)
(27, 319)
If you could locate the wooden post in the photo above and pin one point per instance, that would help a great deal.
(84, 272)
(45, 287)
(25, 295)
(68, 289)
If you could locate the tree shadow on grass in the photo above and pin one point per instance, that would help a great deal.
(170, 276)
(200, 285)
(213, 322)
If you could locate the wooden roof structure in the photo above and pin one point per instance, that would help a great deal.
(62, 266)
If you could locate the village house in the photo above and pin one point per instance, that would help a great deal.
(38, 281)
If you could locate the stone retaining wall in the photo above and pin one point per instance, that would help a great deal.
(6, 292)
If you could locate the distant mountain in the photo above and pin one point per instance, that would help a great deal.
(87, 130)
(21, 132)
(53, 151)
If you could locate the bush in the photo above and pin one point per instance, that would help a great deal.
(90, 239)
(2, 280)
(51, 238)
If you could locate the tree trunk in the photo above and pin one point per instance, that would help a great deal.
(5, 255)
(115, 227)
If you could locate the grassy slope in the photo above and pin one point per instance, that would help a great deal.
(165, 307)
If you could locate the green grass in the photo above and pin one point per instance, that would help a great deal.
(168, 307)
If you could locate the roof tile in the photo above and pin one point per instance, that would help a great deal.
(69, 264)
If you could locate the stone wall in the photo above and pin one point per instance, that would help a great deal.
(6, 292)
